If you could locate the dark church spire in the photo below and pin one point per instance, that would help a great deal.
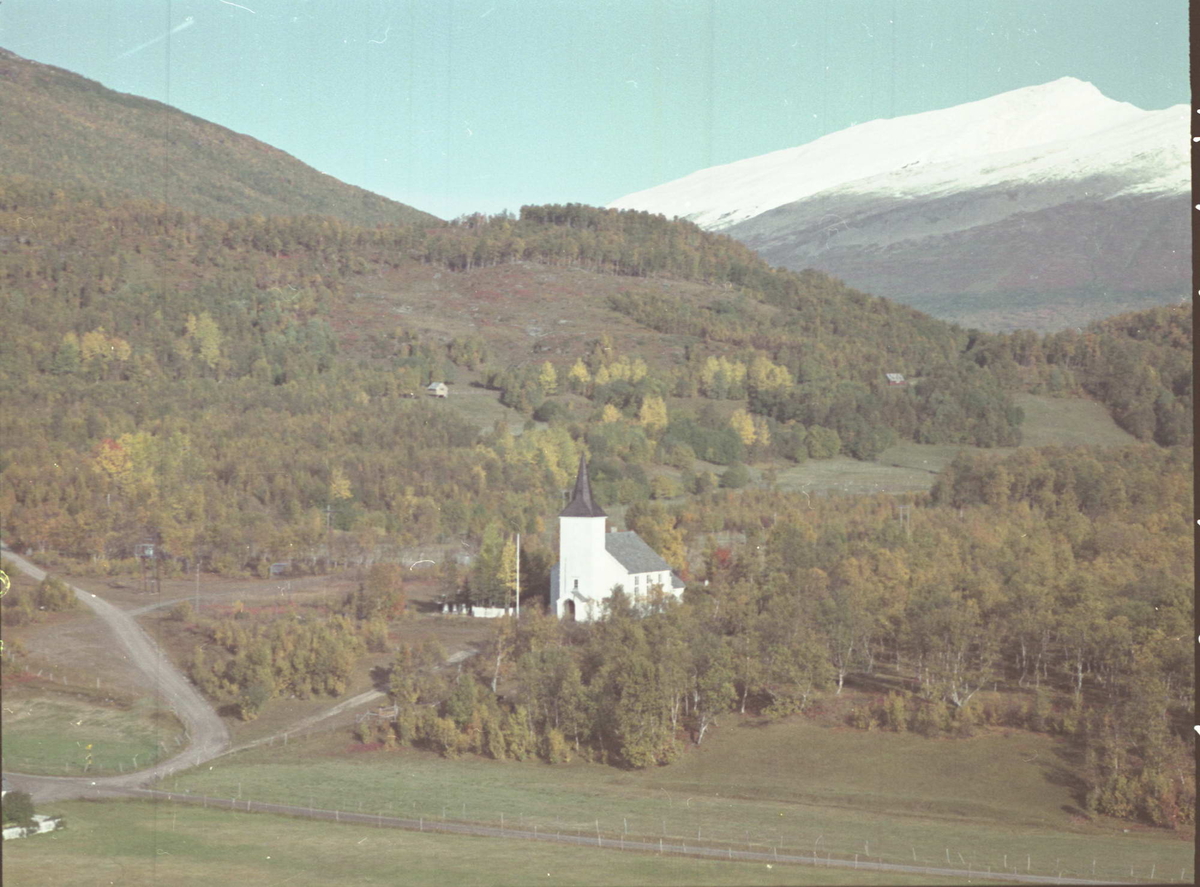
(582, 504)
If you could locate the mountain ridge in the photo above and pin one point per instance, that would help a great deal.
(62, 127)
(999, 128)
(1045, 198)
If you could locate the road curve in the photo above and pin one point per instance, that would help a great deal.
(207, 734)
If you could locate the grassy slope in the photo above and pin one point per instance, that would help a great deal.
(795, 785)
(64, 128)
(135, 843)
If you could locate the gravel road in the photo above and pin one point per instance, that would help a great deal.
(207, 734)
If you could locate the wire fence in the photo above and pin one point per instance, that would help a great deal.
(77, 679)
(824, 852)
(713, 838)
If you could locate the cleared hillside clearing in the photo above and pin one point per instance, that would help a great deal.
(1068, 421)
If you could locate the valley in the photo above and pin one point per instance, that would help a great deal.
(938, 579)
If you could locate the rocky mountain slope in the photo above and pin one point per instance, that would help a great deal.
(1042, 207)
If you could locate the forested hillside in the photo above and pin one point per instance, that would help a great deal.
(67, 130)
(175, 374)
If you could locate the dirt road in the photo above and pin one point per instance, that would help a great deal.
(207, 734)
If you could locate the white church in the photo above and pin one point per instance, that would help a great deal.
(591, 562)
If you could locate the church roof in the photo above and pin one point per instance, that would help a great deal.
(632, 553)
(582, 504)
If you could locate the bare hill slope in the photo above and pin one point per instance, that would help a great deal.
(63, 128)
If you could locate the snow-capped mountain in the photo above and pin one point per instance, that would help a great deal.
(1053, 196)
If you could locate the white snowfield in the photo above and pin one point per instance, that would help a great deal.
(1063, 130)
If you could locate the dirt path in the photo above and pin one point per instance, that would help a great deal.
(364, 698)
(207, 734)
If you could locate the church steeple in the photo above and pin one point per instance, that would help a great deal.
(582, 504)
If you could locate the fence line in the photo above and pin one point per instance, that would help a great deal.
(663, 845)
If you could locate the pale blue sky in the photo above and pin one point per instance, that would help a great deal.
(456, 106)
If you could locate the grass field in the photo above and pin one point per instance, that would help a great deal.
(1068, 421)
(910, 467)
(995, 800)
(481, 407)
(48, 732)
(135, 843)
(842, 475)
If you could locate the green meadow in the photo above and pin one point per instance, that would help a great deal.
(997, 800)
(61, 734)
(136, 843)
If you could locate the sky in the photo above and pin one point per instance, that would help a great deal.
(461, 106)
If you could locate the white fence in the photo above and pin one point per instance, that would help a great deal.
(478, 612)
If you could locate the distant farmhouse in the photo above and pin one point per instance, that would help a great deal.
(895, 378)
(437, 389)
(591, 562)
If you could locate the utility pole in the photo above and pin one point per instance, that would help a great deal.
(329, 535)
(518, 590)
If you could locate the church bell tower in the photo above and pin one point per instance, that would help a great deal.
(581, 572)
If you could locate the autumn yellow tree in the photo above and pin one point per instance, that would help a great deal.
(743, 423)
(579, 378)
(653, 413)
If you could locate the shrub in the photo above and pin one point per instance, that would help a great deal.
(54, 594)
(551, 410)
(555, 748)
(862, 719)
(932, 719)
(1071, 721)
(517, 734)
(442, 736)
(375, 634)
(405, 726)
(1016, 714)
(663, 487)
(735, 476)
(1040, 718)
(17, 808)
(822, 443)
(964, 721)
(493, 739)
(895, 712)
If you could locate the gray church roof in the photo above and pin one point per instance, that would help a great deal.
(632, 553)
(582, 504)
